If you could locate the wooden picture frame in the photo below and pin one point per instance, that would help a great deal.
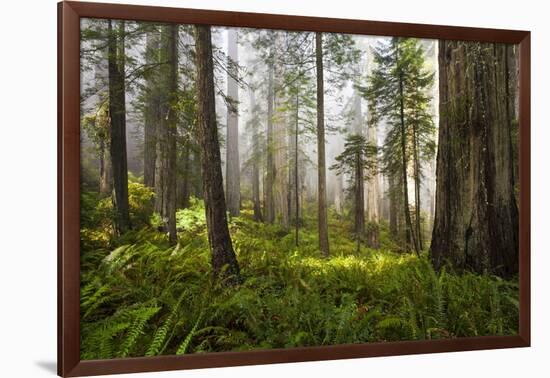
(69, 15)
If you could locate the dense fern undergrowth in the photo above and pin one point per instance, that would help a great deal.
(141, 297)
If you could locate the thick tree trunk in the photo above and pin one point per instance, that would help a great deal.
(117, 112)
(321, 166)
(225, 267)
(476, 216)
(232, 172)
(196, 175)
(512, 96)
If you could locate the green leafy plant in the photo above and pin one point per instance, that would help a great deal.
(145, 297)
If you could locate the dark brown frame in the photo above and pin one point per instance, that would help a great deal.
(69, 14)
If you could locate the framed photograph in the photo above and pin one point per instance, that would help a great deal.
(240, 188)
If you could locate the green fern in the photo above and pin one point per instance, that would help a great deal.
(141, 316)
(182, 349)
(146, 297)
(159, 342)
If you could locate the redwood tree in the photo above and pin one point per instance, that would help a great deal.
(476, 216)
(117, 113)
(224, 262)
(165, 169)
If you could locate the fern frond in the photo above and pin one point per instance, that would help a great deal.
(142, 315)
(182, 349)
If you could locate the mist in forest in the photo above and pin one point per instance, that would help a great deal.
(246, 73)
(278, 184)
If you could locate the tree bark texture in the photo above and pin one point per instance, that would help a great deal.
(476, 216)
(224, 262)
(166, 151)
(117, 113)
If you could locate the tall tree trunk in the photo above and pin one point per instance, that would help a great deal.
(290, 174)
(321, 166)
(512, 96)
(296, 181)
(339, 194)
(256, 192)
(476, 216)
(160, 165)
(184, 196)
(269, 180)
(105, 169)
(166, 152)
(280, 131)
(393, 212)
(232, 172)
(373, 203)
(416, 165)
(409, 233)
(172, 119)
(432, 190)
(373, 189)
(151, 116)
(225, 267)
(255, 165)
(117, 112)
(359, 200)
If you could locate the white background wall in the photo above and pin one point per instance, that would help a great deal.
(28, 186)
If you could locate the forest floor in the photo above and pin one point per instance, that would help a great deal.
(142, 297)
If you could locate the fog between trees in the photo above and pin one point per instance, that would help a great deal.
(305, 144)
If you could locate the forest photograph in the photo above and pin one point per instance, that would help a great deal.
(246, 189)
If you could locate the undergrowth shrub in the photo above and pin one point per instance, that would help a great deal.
(142, 297)
(97, 215)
